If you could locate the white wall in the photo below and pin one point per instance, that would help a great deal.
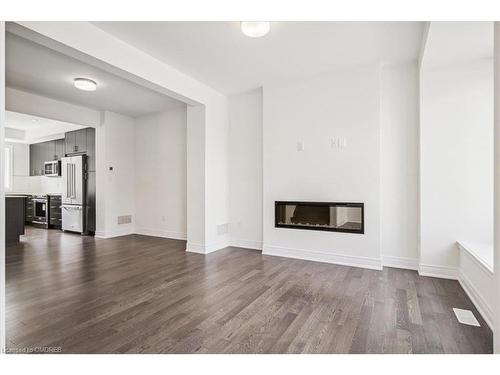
(399, 165)
(115, 147)
(245, 169)
(160, 174)
(216, 175)
(344, 104)
(456, 165)
(207, 107)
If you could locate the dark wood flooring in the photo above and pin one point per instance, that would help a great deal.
(139, 294)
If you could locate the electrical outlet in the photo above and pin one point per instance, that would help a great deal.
(222, 228)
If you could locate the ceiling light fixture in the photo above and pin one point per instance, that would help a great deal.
(255, 29)
(85, 84)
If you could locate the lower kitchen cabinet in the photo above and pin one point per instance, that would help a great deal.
(28, 217)
(55, 211)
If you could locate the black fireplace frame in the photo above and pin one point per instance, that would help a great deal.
(328, 229)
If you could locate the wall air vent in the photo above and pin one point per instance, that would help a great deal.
(124, 219)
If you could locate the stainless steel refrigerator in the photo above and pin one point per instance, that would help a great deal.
(74, 194)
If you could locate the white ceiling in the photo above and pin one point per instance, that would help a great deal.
(456, 42)
(33, 128)
(35, 68)
(218, 54)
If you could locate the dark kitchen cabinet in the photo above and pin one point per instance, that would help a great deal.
(32, 160)
(91, 213)
(42, 152)
(59, 149)
(48, 149)
(70, 142)
(55, 211)
(37, 154)
(76, 141)
(14, 218)
(90, 149)
(28, 216)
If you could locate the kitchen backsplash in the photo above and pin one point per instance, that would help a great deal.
(36, 184)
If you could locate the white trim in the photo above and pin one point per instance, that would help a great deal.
(114, 233)
(442, 272)
(195, 248)
(400, 262)
(481, 304)
(467, 250)
(345, 260)
(204, 249)
(100, 234)
(246, 244)
(162, 233)
(210, 248)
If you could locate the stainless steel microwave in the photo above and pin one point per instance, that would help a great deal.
(52, 168)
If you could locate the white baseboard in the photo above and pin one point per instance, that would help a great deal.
(100, 234)
(442, 272)
(345, 260)
(482, 306)
(400, 262)
(204, 249)
(114, 233)
(246, 244)
(162, 233)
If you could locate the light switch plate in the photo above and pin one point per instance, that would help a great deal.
(300, 146)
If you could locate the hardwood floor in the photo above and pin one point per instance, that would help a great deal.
(139, 294)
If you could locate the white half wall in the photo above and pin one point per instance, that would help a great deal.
(399, 165)
(456, 161)
(476, 277)
(343, 104)
(160, 174)
(245, 169)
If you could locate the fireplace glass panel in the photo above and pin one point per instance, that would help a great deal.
(339, 217)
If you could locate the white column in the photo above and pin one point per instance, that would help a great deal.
(496, 226)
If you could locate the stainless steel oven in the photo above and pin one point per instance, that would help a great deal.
(40, 210)
(52, 168)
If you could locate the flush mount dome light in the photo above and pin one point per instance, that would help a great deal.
(255, 29)
(85, 84)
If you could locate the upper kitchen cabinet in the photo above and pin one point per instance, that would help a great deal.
(79, 141)
(36, 167)
(59, 149)
(42, 152)
(90, 149)
(75, 141)
(82, 141)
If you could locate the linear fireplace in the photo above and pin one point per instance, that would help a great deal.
(329, 216)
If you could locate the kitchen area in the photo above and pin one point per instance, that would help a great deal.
(50, 178)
